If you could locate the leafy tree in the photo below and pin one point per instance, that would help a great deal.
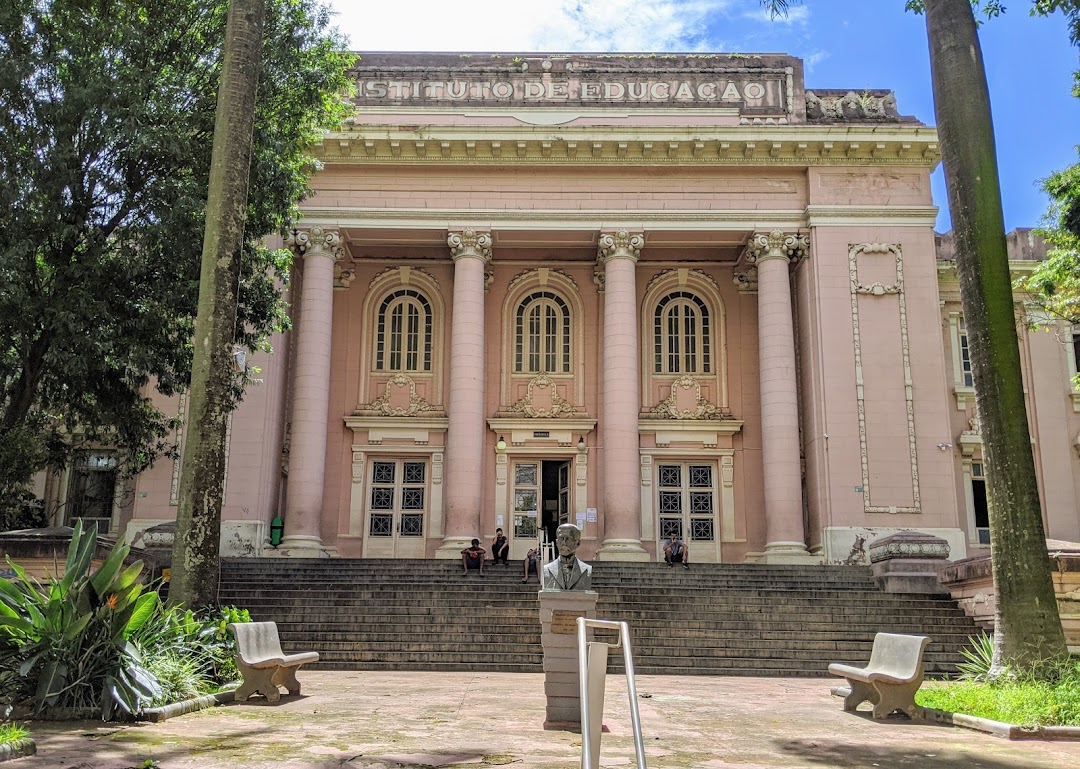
(195, 562)
(1055, 283)
(1029, 633)
(105, 147)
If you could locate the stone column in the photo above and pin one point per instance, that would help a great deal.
(320, 249)
(471, 251)
(785, 539)
(621, 399)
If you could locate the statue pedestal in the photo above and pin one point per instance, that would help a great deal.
(559, 610)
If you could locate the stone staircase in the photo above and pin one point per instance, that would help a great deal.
(710, 620)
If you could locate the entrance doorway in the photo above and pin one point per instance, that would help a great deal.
(541, 501)
(556, 495)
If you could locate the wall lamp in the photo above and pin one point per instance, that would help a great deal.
(944, 446)
(500, 445)
(581, 443)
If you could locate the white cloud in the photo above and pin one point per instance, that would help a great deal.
(558, 25)
(814, 59)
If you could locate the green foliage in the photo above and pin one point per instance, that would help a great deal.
(12, 732)
(105, 145)
(1054, 284)
(181, 676)
(1021, 699)
(66, 642)
(180, 642)
(978, 658)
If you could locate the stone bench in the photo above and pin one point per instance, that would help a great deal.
(890, 680)
(262, 663)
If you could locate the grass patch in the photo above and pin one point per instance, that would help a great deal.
(1021, 701)
(12, 733)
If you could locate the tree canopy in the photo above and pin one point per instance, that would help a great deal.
(1055, 282)
(105, 145)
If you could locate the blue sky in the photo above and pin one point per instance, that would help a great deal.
(853, 44)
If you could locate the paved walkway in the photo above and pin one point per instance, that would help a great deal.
(373, 720)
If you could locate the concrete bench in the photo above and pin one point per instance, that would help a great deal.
(262, 663)
(891, 679)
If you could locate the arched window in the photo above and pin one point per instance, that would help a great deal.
(404, 336)
(542, 335)
(681, 335)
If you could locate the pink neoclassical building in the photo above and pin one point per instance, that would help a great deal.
(641, 293)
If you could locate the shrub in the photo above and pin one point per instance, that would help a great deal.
(12, 732)
(181, 676)
(1017, 699)
(65, 643)
(201, 638)
(977, 659)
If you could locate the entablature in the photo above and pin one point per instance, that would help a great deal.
(764, 145)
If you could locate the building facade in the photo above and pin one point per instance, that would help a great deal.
(641, 293)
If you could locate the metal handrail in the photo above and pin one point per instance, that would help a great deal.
(584, 679)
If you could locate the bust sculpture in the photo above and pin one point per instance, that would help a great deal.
(566, 572)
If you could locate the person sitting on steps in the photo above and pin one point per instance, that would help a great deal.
(500, 548)
(676, 551)
(473, 558)
(532, 565)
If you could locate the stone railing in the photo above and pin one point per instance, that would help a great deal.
(972, 585)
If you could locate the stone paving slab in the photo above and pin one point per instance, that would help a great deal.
(376, 720)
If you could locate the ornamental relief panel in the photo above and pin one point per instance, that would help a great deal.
(686, 401)
(881, 260)
(542, 400)
(400, 399)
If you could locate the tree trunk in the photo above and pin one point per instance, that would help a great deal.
(195, 564)
(1028, 629)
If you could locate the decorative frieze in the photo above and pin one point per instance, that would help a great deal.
(827, 106)
(470, 242)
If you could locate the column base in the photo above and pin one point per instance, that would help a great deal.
(787, 553)
(300, 546)
(451, 548)
(622, 550)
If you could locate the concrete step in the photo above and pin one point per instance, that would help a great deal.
(719, 619)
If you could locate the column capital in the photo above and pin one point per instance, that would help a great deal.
(777, 245)
(620, 245)
(316, 240)
(465, 243)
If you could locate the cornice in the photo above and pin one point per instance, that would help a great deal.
(860, 216)
(513, 219)
(804, 145)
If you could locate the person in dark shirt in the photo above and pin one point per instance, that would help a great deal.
(473, 558)
(500, 548)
